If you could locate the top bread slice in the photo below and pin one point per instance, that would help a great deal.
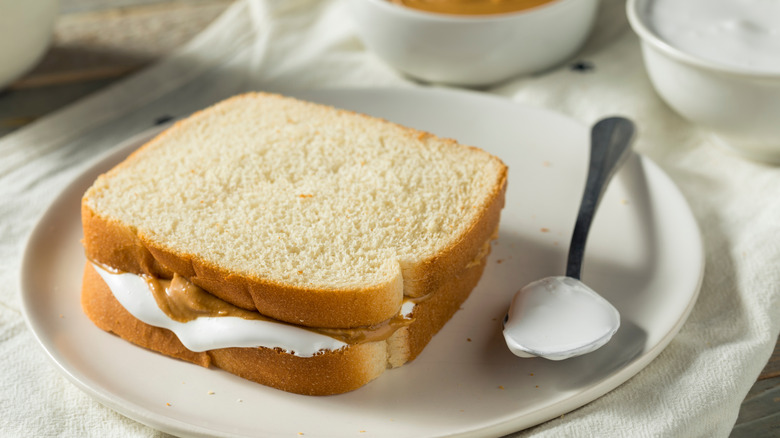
(308, 214)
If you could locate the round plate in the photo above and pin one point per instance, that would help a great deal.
(644, 255)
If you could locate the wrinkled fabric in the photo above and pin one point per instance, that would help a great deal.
(694, 388)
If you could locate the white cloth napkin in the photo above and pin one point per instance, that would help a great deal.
(694, 388)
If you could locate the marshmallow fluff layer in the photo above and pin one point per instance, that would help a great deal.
(209, 333)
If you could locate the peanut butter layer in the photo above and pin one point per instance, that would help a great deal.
(472, 7)
(183, 301)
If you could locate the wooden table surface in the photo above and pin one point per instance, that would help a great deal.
(97, 42)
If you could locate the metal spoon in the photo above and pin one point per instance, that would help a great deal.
(561, 317)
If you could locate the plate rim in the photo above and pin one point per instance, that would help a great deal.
(509, 425)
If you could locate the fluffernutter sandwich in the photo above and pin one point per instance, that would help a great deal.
(293, 244)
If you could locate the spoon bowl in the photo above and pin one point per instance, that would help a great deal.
(546, 319)
(561, 317)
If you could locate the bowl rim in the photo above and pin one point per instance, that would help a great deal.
(552, 5)
(639, 25)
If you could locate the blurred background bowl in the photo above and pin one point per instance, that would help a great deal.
(475, 50)
(25, 32)
(740, 106)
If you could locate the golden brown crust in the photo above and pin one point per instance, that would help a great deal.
(331, 372)
(433, 313)
(334, 372)
(105, 311)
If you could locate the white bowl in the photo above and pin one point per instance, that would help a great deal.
(25, 32)
(473, 50)
(741, 107)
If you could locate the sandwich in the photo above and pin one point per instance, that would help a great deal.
(293, 244)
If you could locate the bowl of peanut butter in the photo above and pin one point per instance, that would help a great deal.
(473, 43)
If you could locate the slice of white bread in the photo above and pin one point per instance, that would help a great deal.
(308, 214)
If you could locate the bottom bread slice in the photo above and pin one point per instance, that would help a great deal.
(330, 372)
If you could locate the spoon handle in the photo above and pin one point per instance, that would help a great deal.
(610, 146)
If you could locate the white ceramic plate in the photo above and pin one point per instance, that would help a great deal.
(644, 254)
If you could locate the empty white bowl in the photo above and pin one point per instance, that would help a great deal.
(474, 50)
(739, 105)
(25, 32)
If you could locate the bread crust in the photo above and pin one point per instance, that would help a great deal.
(331, 372)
